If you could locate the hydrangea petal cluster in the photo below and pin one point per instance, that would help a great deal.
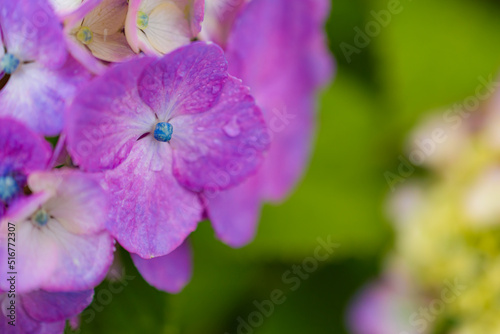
(64, 215)
(155, 185)
(96, 31)
(148, 147)
(157, 27)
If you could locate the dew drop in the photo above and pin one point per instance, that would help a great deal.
(232, 129)
(215, 89)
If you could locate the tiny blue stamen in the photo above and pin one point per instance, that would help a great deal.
(8, 187)
(163, 131)
(9, 63)
(142, 20)
(41, 217)
(85, 35)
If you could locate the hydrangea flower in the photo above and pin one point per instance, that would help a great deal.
(21, 152)
(41, 312)
(61, 244)
(41, 76)
(95, 30)
(157, 27)
(284, 40)
(165, 130)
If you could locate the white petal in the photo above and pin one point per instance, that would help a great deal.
(79, 203)
(65, 6)
(36, 257)
(108, 18)
(168, 28)
(113, 48)
(83, 260)
(147, 6)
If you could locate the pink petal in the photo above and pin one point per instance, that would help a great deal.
(235, 212)
(170, 272)
(186, 81)
(32, 31)
(151, 214)
(107, 118)
(219, 148)
(48, 307)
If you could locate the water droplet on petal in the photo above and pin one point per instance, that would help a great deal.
(232, 129)
(215, 89)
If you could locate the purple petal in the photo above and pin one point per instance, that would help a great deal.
(151, 214)
(170, 272)
(293, 63)
(219, 19)
(37, 96)
(197, 9)
(32, 31)
(24, 323)
(49, 307)
(289, 153)
(219, 148)
(108, 117)
(288, 54)
(186, 81)
(20, 148)
(235, 213)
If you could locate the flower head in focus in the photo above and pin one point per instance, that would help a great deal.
(166, 131)
(60, 238)
(157, 27)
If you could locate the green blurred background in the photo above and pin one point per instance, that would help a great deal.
(428, 57)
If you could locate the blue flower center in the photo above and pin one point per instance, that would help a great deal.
(41, 217)
(142, 20)
(163, 131)
(9, 63)
(8, 187)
